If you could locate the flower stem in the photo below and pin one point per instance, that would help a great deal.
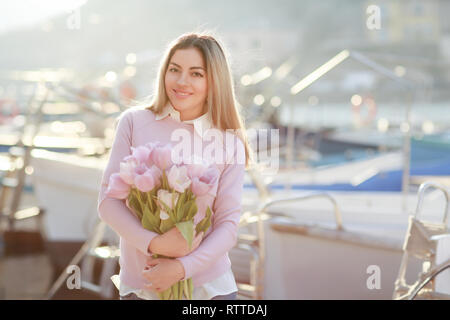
(138, 194)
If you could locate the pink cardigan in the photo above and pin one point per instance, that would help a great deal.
(138, 126)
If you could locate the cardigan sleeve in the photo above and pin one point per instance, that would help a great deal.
(226, 215)
(114, 212)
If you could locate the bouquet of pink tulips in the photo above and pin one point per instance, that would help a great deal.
(163, 194)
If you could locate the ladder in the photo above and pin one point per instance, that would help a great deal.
(90, 252)
(422, 242)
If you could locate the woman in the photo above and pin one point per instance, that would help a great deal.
(194, 93)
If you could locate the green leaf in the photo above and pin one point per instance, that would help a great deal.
(134, 204)
(181, 200)
(180, 289)
(190, 209)
(149, 221)
(139, 198)
(137, 213)
(157, 219)
(190, 288)
(186, 289)
(205, 223)
(180, 211)
(164, 181)
(145, 221)
(207, 218)
(149, 201)
(179, 215)
(190, 195)
(186, 228)
(166, 294)
(166, 225)
(175, 291)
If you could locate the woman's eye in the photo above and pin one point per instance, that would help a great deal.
(173, 70)
(197, 74)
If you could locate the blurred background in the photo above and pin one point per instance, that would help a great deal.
(358, 90)
(110, 52)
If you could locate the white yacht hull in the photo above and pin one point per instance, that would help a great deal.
(67, 187)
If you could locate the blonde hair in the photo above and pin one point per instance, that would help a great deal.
(220, 102)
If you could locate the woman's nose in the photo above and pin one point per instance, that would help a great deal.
(182, 79)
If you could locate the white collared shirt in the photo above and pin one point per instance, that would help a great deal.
(223, 285)
(201, 124)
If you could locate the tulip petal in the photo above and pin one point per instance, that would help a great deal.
(117, 188)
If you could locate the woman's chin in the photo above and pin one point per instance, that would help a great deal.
(181, 106)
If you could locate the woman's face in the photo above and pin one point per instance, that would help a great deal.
(186, 83)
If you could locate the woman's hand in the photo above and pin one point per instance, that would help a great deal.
(162, 273)
(172, 244)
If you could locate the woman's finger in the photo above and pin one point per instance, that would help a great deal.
(197, 240)
(145, 274)
(150, 258)
(152, 262)
(150, 287)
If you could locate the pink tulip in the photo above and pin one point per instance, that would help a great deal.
(199, 188)
(196, 166)
(162, 156)
(141, 154)
(127, 169)
(146, 181)
(157, 174)
(178, 178)
(139, 170)
(202, 185)
(117, 188)
(151, 146)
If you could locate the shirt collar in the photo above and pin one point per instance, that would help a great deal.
(201, 123)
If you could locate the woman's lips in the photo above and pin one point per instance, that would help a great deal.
(181, 94)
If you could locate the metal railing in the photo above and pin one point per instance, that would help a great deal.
(261, 235)
(432, 274)
(421, 194)
(402, 289)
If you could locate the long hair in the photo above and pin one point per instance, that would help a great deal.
(220, 103)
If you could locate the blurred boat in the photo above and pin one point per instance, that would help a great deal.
(67, 185)
(83, 145)
(381, 171)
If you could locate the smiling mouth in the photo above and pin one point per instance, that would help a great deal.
(181, 93)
